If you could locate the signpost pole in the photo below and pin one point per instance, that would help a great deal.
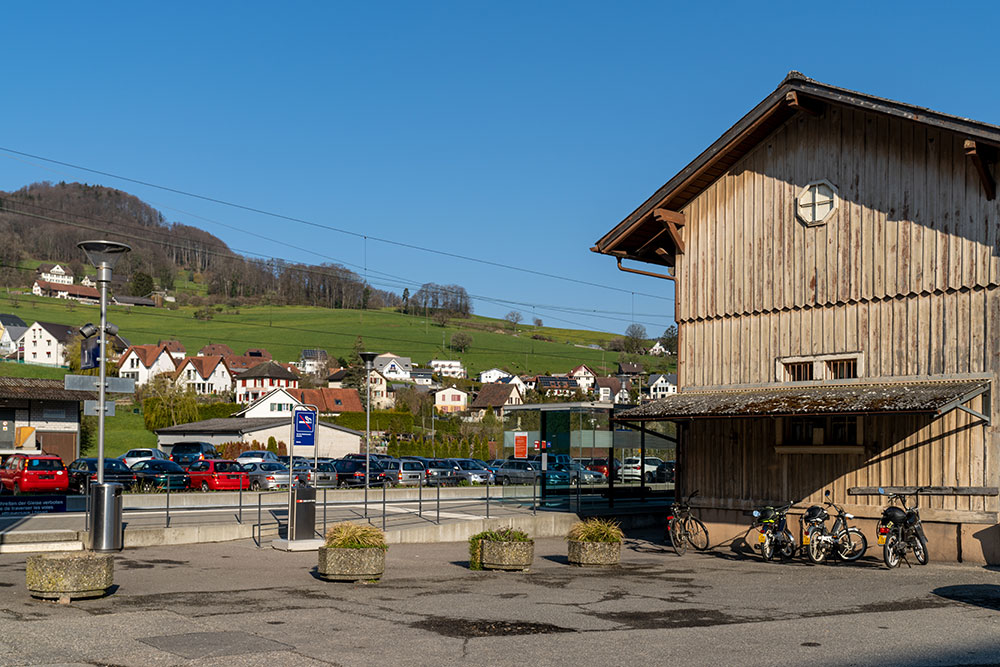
(369, 358)
(303, 435)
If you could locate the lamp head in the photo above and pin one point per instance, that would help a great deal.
(368, 357)
(88, 330)
(103, 253)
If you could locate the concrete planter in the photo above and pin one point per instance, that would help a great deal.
(506, 555)
(340, 564)
(594, 554)
(68, 576)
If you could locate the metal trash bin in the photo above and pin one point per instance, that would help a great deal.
(304, 521)
(106, 519)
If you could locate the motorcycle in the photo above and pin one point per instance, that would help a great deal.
(774, 537)
(900, 530)
(848, 543)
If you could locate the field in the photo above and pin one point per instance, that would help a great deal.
(123, 432)
(12, 369)
(286, 330)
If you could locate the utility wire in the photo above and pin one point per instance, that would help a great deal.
(331, 228)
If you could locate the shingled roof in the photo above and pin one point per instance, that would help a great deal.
(493, 395)
(935, 397)
(269, 369)
(147, 354)
(329, 400)
(42, 389)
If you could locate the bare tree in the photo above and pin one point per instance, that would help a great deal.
(537, 321)
(635, 338)
(514, 318)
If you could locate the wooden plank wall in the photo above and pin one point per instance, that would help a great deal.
(899, 451)
(912, 219)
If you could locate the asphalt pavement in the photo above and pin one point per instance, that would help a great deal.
(233, 604)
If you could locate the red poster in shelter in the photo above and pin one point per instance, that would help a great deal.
(520, 445)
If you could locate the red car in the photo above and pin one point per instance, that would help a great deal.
(218, 474)
(25, 473)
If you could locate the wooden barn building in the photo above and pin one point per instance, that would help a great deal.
(836, 263)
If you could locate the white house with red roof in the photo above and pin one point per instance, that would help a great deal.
(262, 379)
(204, 375)
(584, 377)
(142, 363)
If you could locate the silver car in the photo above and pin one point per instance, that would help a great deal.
(257, 456)
(405, 472)
(133, 456)
(472, 471)
(266, 475)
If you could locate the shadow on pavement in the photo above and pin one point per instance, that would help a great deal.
(979, 595)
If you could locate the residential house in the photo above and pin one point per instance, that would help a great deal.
(530, 382)
(63, 291)
(263, 379)
(662, 385)
(493, 375)
(584, 377)
(329, 401)
(611, 390)
(554, 385)
(204, 375)
(216, 350)
(175, 348)
(421, 377)
(517, 382)
(10, 345)
(451, 399)
(45, 343)
(142, 363)
(8, 339)
(59, 274)
(335, 380)
(629, 369)
(275, 403)
(658, 350)
(313, 361)
(331, 441)
(381, 397)
(40, 416)
(87, 282)
(493, 397)
(393, 367)
(834, 256)
(447, 368)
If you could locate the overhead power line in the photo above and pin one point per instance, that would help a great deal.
(339, 230)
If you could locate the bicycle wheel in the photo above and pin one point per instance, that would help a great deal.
(851, 544)
(816, 550)
(696, 533)
(678, 538)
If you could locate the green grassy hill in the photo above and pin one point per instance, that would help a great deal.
(286, 330)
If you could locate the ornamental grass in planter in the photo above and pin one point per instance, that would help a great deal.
(501, 549)
(595, 542)
(353, 552)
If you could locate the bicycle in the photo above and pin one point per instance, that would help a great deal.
(683, 528)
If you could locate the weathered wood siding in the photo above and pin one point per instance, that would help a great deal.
(899, 451)
(906, 272)
(912, 219)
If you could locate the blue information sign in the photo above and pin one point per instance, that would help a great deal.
(305, 428)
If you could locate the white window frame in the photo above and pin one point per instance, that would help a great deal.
(808, 199)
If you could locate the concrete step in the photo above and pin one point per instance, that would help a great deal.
(35, 541)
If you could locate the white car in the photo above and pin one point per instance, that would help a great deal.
(133, 456)
(257, 456)
(633, 470)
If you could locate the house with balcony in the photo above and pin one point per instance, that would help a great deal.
(263, 379)
(204, 375)
(447, 368)
(142, 363)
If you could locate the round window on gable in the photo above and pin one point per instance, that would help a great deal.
(816, 203)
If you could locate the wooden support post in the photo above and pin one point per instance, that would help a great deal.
(983, 158)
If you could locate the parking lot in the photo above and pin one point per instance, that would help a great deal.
(232, 604)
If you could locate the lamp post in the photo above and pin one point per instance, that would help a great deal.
(104, 255)
(368, 358)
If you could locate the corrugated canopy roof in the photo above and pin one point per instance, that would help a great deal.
(935, 397)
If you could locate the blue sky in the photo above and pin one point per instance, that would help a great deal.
(515, 132)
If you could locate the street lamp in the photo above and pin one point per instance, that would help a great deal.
(368, 358)
(104, 255)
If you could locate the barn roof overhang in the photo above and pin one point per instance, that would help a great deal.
(934, 398)
(651, 233)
